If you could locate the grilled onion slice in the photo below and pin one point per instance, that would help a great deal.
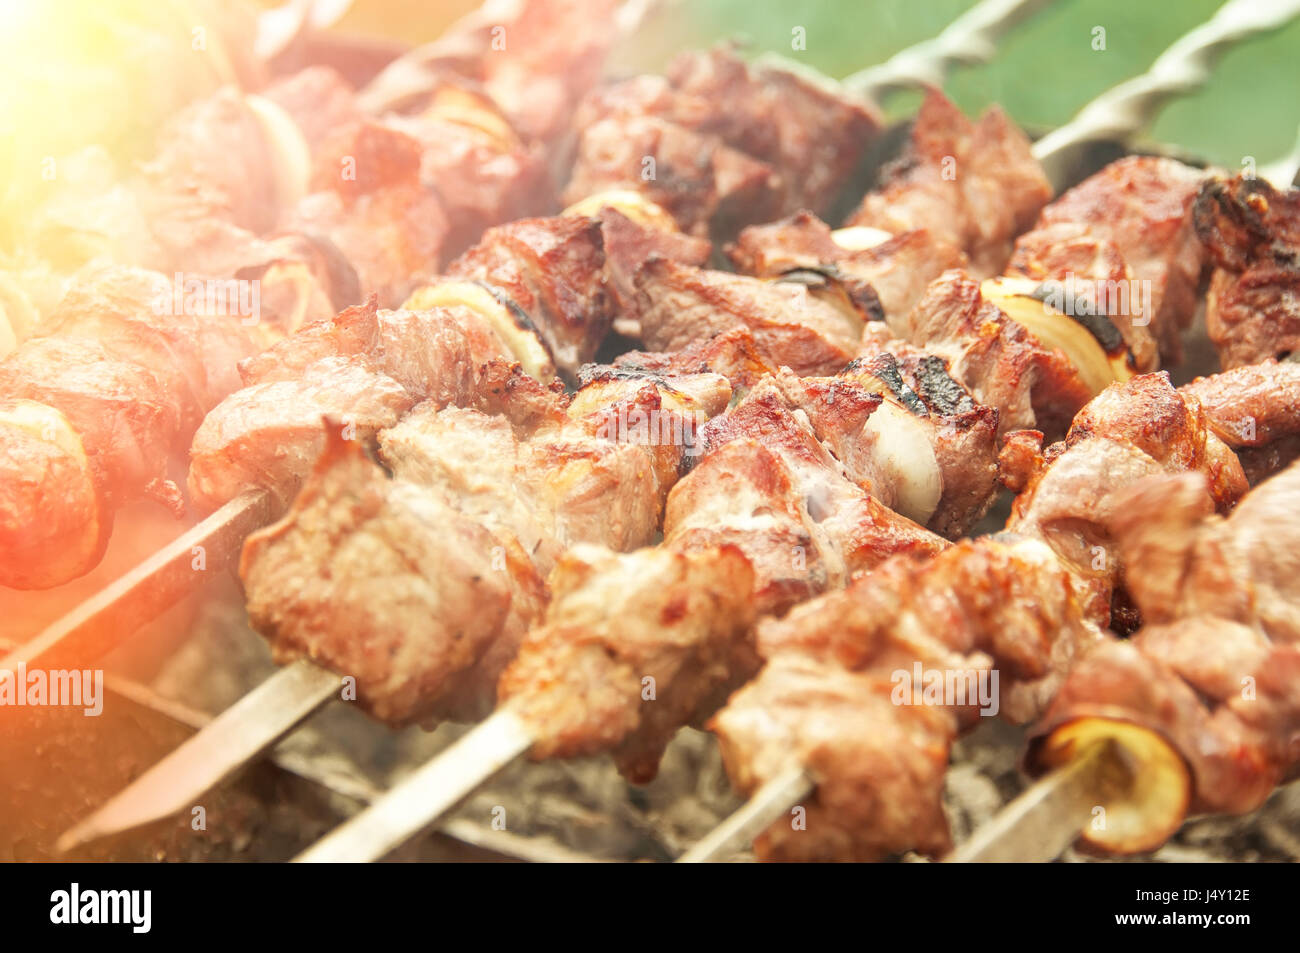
(505, 317)
(632, 204)
(290, 154)
(1015, 298)
(860, 237)
(1144, 808)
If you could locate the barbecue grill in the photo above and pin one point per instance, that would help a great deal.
(555, 811)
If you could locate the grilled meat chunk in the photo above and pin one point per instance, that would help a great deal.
(836, 695)
(812, 327)
(554, 270)
(812, 136)
(897, 270)
(365, 367)
(1255, 410)
(974, 186)
(781, 497)
(1141, 207)
(384, 583)
(1004, 366)
(632, 647)
(705, 186)
(1222, 595)
(1131, 431)
(472, 159)
(1251, 233)
(369, 201)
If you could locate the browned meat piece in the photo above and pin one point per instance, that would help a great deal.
(128, 312)
(364, 367)
(1033, 386)
(526, 500)
(1020, 458)
(1235, 763)
(734, 354)
(812, 327)
(268, 435)
(1255, 410)
(837, 696)
(879, 766)
(369, 201)
(318, 100)
(702, 183)
(897, 269)
(1185, 561)
(1094, 279)
(542, 57)
(116, 383)
(1251, 233)
(209, 184)
(975, 186)
(1133, 430)
(554, 270)
(628, 244)
(933, 448)
(811, 136)
(54, 520)
(1142, 206)
(414, 594)
(474, 162)
(127, 421)
(1216, 672)
(784, 500)
(632, 647)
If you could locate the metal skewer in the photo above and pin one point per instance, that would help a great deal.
(1048, 817)
(345, 783)
(771, 801)
(107, 618)
(1123, 111)
(415, 804)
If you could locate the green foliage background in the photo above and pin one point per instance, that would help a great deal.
(1046, 68)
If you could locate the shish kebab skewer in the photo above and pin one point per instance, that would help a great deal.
(601, 600)
(138, 604)
(505, 728)
(1077, 766)
(149, 588)
(1166, 711)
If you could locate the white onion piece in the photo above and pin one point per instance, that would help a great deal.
(860, 237)
(290, 154)
(46, 423)
(903, 452)
(632, 204)
(523, 342)
(1097, 370)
